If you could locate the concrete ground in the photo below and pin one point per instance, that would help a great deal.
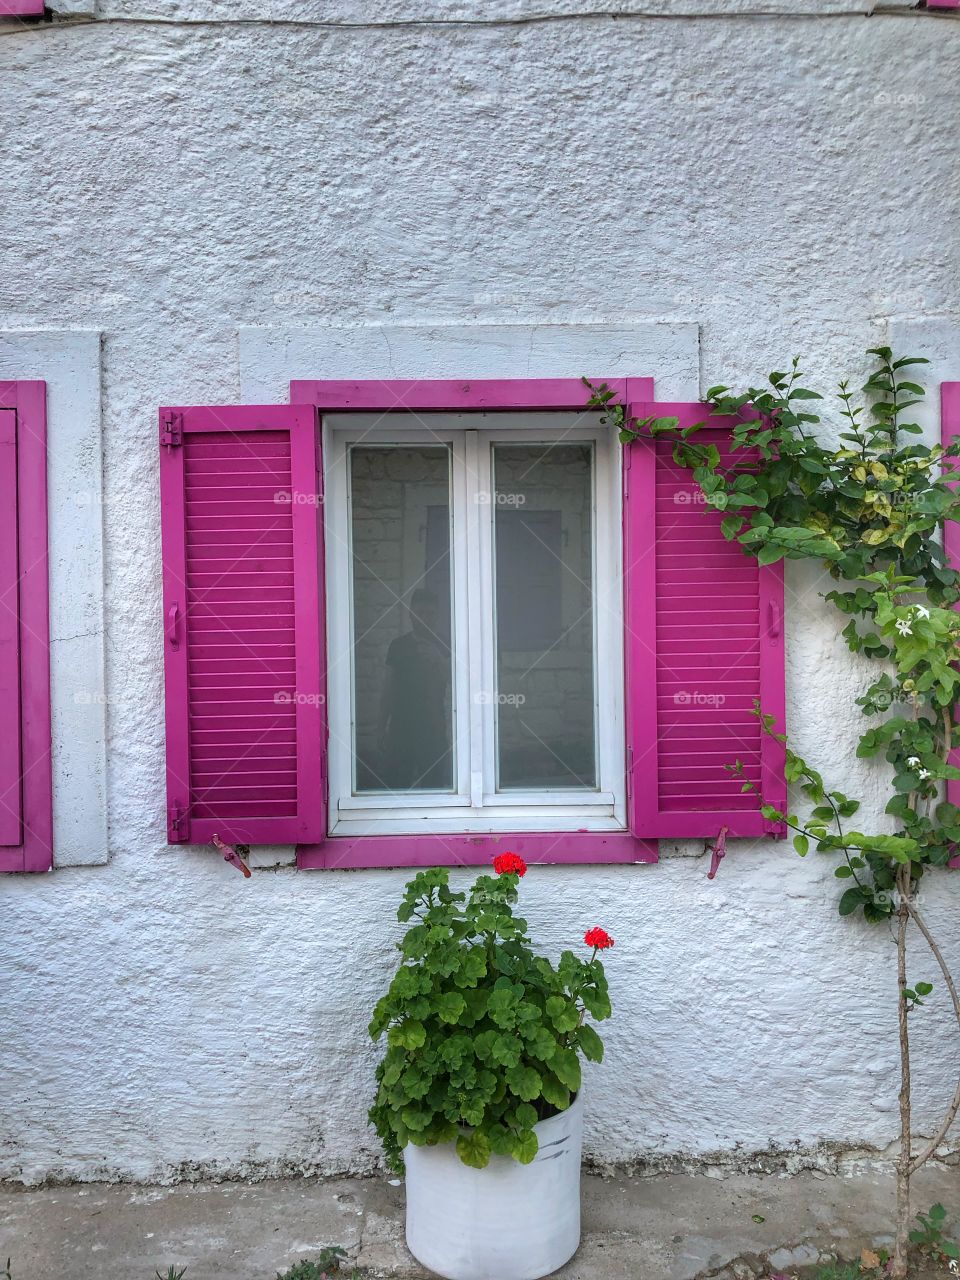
(657, 1228)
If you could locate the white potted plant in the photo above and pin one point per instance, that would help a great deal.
(479, 1089)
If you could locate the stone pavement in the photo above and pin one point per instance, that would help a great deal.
(665, 1227)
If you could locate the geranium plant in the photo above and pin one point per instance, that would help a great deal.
(484, 1036)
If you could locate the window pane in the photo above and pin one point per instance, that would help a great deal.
(543, 529)
(400, 525)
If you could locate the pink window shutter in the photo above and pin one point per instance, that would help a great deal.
(949, 432)
(243, 634)
(11, 762)
(26, 791)
(704, 643)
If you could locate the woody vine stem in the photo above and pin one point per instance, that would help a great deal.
(870, 507)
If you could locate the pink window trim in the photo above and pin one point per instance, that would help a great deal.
(943, 4)
(353, 852)
(28, 400)
(21, 8)
(503, 395)
(949, 431)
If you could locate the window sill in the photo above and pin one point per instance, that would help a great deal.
(353, 853)
(461, 823)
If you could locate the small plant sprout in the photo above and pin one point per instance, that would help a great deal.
(326, 1266)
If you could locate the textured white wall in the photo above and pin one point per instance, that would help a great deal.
(786, 184)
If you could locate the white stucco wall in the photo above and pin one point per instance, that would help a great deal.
(749, 186)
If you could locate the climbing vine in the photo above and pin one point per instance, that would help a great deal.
(870, 506)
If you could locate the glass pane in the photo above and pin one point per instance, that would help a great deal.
(402, 700)
(543, 530)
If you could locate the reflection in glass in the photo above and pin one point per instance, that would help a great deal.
(543, 534)
(400, 531)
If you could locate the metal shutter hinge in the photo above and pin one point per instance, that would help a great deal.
(178, 825)
(171, 429)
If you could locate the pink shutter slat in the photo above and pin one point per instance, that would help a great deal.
(11, 763)
(243, 634)
(26, 768)
(704, 643)
(949, 431)
(21, 8)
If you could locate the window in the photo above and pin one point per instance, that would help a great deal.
(495, 629)
(474, 622)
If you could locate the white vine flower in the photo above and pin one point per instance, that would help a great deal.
(904, 627)
(922, 611)
(923, 774)
(913, 762)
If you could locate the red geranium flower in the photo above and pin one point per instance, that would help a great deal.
(505, 864)
(598, 938)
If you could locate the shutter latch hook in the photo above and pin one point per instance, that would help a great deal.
(717, 851)
(235, 856)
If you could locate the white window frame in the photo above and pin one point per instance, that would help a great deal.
(475, 808)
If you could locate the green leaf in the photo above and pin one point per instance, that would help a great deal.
(524, 1082)
(850, 901)
(450, 1006)
(566, 1067)
(590, 1043)
(769, 554)
(526, 1115)
(409, 1034)
(562, 1012)
(552, 1091)
(525, 1146)
(473, 1148)
(506, 1049)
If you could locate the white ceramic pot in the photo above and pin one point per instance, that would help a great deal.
(509, 1221)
